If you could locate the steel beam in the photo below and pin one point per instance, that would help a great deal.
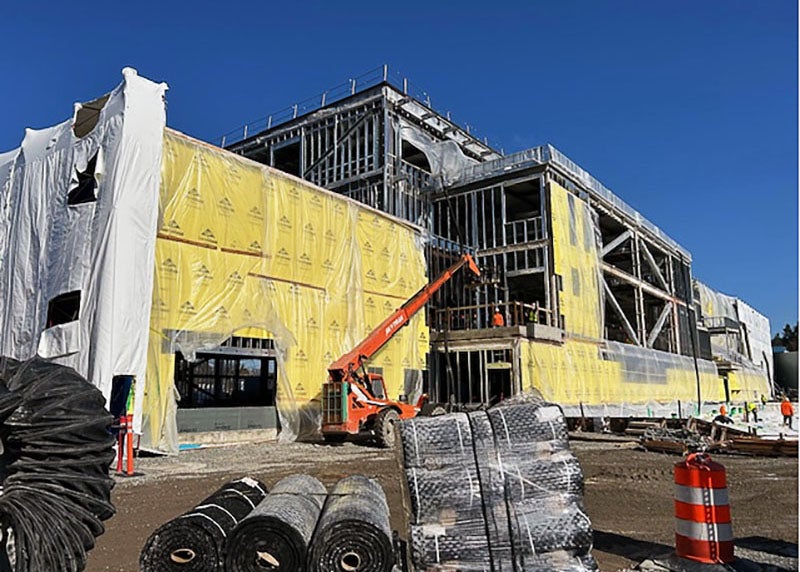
(614, 304)
(646, 287)
(659, 325)
(615, 243)
(652, 262)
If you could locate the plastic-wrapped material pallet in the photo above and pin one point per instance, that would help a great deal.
(543, 482)
(493, 493)
(435, 442)
(448, 526)
(276, 535)
(512, 503)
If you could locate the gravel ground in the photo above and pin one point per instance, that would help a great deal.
(628, 496)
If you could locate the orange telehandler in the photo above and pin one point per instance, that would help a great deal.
(355, 401)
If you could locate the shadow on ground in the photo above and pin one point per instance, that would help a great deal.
(768, 545)
(627, 547)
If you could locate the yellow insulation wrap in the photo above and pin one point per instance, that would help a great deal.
(575, 260)
(589, 370)
(747, 385)
(246, 250)
(580, 372)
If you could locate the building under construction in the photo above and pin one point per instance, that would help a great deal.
(599, 304)
(226, 282)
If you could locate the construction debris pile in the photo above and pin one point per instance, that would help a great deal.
(701, 435)
(679, 440)
(297, 526)
(56, 451)
(495, 490)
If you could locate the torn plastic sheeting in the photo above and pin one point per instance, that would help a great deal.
(195, 542)
(759, 335)
(101, 246)
(276, 535)
(56, 453)
(715, 304)
(445, 157)
(353, 532)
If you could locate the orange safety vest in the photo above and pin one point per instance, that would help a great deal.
(497, 320)
(723, 410)
(787, 409)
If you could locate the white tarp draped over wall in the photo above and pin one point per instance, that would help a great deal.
(754, 329)
(102, 248)
(758, 335)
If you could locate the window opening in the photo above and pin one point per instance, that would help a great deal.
(523, 200)
(223, 380)
(286, 157)
(88, 115)
(576, 282)
(85, 190)
(413, 155)
(64, 308)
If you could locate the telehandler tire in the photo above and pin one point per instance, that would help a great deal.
(385, 428)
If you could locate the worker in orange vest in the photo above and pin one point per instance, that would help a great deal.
(497, 319)
(787, 411)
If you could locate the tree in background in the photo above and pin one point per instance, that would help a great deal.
(787, 338)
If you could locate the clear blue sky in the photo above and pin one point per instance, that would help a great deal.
(686, 109)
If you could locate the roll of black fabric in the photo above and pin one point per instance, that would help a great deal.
(195, 541)
(353, 534)
(54, 466)
(276, 535)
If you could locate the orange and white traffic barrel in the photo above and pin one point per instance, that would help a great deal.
(702, 513)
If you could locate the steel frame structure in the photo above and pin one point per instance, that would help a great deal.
(497, 207)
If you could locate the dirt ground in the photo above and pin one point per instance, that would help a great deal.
(628, 495)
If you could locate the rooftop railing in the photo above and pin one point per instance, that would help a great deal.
(373, 77)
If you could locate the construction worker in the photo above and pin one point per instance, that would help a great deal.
(723, 415)
(754, 411)
(497, 319)
(763, 402)
(787, 411)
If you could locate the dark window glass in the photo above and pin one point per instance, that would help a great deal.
(225, 381)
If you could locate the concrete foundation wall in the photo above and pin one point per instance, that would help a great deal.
(226, 419)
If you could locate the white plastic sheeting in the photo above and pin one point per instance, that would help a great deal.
(445, 157)
(102, 246)
(753, 344)
(758, 335)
